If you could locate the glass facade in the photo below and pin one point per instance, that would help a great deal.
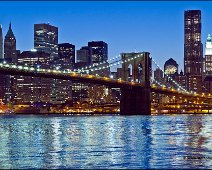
(193, 54)
(99, 51)
(46, 39)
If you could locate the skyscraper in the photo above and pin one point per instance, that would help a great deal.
(99, 51)
(66, 55)
(207, 64)
(62, 89)
(1, 44)
(84, 55)
(46, 39)
(10, 56)
(193, 54)
(10, 52)
(33, 89)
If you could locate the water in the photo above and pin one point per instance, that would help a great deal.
(182, 141)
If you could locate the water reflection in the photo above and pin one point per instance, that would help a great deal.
(106, 142)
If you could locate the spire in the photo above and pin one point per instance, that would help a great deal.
(209, 38)
(10, 32)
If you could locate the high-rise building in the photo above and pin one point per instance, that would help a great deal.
(208, 56)
(2, 76)
(99, 51)
(193, 54)
(10, 56)
(84, 55)
(62, 89)
(207, 65)
(46, 39)
(1, 44)
(33, 89)
(66, 56)
(10, 52)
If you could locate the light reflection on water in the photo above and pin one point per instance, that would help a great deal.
(182, 141)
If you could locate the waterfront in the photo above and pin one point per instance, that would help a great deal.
(175, 141)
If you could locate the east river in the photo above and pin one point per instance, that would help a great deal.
(114, 142)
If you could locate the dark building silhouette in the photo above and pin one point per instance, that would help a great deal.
(10, 52)
(10, 56)
(46, 39)
(181, 79)
(2, 76)
(99, 51)
(84, 55)
(1, 44)
(66, 56)
(193, 54)
(158, 75)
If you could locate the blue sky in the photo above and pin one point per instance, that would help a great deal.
(156, 27)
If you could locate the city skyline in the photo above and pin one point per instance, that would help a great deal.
(117, 15)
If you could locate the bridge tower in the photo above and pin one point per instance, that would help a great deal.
(136, 100)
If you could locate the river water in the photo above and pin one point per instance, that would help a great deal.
(176, 141)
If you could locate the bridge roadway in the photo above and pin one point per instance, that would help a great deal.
(85, 78)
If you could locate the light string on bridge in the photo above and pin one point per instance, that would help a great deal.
(67, 71)
(115, 63)
(96, 64)
(178, 85)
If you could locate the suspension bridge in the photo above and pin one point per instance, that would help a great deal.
(140, 94)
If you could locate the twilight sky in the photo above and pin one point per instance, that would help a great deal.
(156, 27)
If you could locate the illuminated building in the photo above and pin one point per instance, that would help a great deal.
(2, 76)
(62, 89)
(33, 89)
(208, 56)
(207, 64)
(80, 90)
(10, 52)
(66, 56)
(171, 67)
(99, 51)
(10, 56)
(193, 54)
(46, 39)
(1, 44)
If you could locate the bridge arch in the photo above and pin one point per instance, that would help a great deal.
(141, 67)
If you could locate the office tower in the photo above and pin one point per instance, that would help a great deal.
(99, 51)
(208, 56)
(62, 89)
(1, 44)
(10, 56)
(66, 56)
(10, 52)
(2, 76)
(207, 65)
(84, 55)
(193, 54)
(46, 39)
(30, 89)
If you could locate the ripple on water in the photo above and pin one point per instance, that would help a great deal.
(106, 142)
